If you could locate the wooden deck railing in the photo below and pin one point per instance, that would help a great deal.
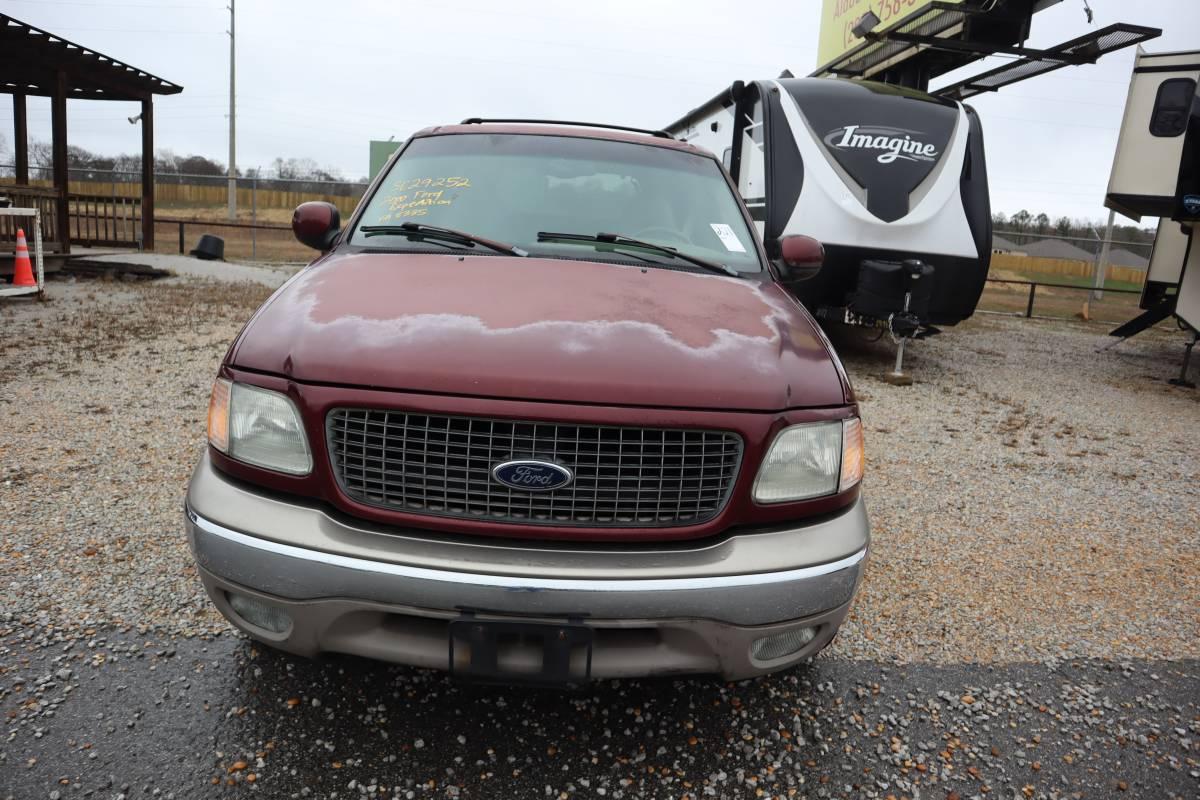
(46, 200)
(106, 221)
(92, 219)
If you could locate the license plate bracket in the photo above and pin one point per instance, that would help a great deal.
(554, 654)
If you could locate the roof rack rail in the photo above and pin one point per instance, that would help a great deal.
(480, 120)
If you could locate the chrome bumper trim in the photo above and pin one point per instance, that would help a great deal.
(296, 573)
(525, 584)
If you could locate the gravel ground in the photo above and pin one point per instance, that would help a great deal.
(103, 401)
(1035, 518)
(1029, 497)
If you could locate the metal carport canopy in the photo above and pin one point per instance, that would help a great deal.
(34, 57)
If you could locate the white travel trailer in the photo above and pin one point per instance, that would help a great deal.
(1156, 172)
(891, 180)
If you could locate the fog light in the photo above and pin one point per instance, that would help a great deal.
(783, 644)
(259, 614)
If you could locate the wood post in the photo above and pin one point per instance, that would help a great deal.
(58, 146)
(148, 172)
(21, 137)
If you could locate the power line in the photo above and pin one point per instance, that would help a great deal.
(1055, 100)
(989, 115)
(107, 5)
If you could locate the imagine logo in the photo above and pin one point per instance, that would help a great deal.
(896, 143)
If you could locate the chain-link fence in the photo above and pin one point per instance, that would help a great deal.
(188, 194)
(1052, 245)
(1047, 275)
(188, 205)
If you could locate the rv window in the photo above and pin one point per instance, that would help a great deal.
(1172, 107)
(727, 157)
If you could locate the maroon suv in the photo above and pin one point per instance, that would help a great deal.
(541, 411)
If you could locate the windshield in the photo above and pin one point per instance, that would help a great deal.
(510, 187)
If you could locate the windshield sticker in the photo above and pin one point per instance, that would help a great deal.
(727, 237)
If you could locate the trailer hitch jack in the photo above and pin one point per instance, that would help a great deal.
(1182, 380)
(904, 326)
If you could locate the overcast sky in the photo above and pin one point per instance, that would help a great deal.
(319, 79)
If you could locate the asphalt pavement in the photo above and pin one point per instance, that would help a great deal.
(123, 714)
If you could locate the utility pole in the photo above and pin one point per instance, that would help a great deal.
(232, 119)
(1102, 259)
(1099, 268)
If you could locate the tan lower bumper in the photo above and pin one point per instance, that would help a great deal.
(393, 593)
(623, 648)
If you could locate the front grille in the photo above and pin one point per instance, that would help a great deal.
(442, 465)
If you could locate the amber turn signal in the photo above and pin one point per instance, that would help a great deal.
(218, 415)
(852, 453)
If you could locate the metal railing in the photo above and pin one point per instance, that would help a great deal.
(282, 244)
(1033, 287)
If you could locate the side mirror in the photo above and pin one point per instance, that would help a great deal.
(316, 224)
(800, 257)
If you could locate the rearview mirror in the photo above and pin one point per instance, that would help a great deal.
(800, 257)
(316, 224)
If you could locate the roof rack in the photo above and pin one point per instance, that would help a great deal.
(481, 120)
(1085, 49)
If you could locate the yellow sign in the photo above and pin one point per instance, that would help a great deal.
(839, 16)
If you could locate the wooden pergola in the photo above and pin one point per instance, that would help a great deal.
(38, 63)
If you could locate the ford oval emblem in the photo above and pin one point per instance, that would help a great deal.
(532, 476)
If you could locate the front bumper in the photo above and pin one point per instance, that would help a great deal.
(385, 593)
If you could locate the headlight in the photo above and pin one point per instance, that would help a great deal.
(811, 460)
(259, 427)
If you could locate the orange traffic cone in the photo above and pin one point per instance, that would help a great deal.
(22, 270)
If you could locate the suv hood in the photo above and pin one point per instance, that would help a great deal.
(543, 329)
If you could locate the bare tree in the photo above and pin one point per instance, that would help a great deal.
(41, 154)
(199, 165)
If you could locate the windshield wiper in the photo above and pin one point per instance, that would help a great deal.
(619, 239)
(421, 230)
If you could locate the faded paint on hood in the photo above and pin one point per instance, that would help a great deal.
(543, 329)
